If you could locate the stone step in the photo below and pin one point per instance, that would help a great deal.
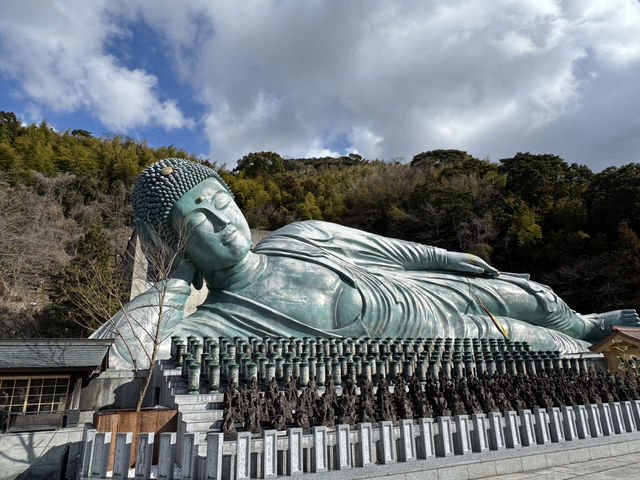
(202, 398)
(172, 372)
(201, 406)
(202, 426)
(181, 390)
(175, 380)
(201, 416)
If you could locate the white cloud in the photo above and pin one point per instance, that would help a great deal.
(317, 150)
(388, 79)
(470, 74)
(56, 51)
(364, 142)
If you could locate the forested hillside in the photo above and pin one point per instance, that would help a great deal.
(65, 211)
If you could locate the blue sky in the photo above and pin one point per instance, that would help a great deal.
(384, 79)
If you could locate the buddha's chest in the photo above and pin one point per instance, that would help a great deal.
(307, 292)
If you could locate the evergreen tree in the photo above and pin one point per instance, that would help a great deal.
(89, 287)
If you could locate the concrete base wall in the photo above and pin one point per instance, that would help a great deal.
(491, 464)
(37, 455)
(113, 389)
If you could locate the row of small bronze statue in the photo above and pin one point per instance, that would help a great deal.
(276, 409)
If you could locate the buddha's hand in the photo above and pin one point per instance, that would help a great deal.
(183, 269)
(468, 263)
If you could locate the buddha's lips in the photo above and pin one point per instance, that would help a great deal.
(228, 234)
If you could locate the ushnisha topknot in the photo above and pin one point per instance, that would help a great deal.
(161, 184)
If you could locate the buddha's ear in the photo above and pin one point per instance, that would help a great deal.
(149, 236)
(197, 281)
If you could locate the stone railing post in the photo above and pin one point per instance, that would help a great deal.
(527, 429)
(444, 437)
(189, 455)
(387, 443)
(86, 448)
(569, 423)
(582, 421)
(556, 429)
(595, 424)
(167, 455)
(512, 430)
(635, 408)
(365, 444)
(215, 442)
(269, 453)
(627, 416)
(100, 456)
(144, 456)
(320, 461)
(426, 447)
(479, 438)
(407, 451)
(496, 431)
(616, 416)
(243, 456)
(343, 447)
(122, 455)
(541, 417)
(294, 456)
(606, 420)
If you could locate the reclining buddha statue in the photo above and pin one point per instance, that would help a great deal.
(320, 279)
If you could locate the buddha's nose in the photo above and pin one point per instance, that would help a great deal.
(218, 220)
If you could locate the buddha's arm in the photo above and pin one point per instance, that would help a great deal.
(369, 250)
(416, 256)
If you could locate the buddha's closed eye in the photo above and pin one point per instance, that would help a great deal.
(221, 200)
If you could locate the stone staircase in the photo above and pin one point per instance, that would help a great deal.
(199, 413)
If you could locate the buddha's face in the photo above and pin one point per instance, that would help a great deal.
(217, 234)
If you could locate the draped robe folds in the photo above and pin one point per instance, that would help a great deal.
(406, 291)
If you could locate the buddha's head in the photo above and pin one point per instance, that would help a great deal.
(186, 204)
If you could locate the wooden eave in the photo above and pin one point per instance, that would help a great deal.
(621, 337)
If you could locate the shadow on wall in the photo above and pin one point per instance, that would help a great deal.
(39, 455)
(113, 389)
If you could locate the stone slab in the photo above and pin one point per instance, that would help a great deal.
(599, 451)
(508, 465)
(482, 470)
(460, 472)
(557, 458)
(534, 462)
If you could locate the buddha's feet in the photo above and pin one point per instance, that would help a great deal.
(602, 322)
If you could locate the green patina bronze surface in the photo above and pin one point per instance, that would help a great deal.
(317, 278)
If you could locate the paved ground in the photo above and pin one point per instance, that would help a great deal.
(623, 467)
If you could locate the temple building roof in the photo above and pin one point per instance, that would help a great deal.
(619, 337)
(53, 353)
